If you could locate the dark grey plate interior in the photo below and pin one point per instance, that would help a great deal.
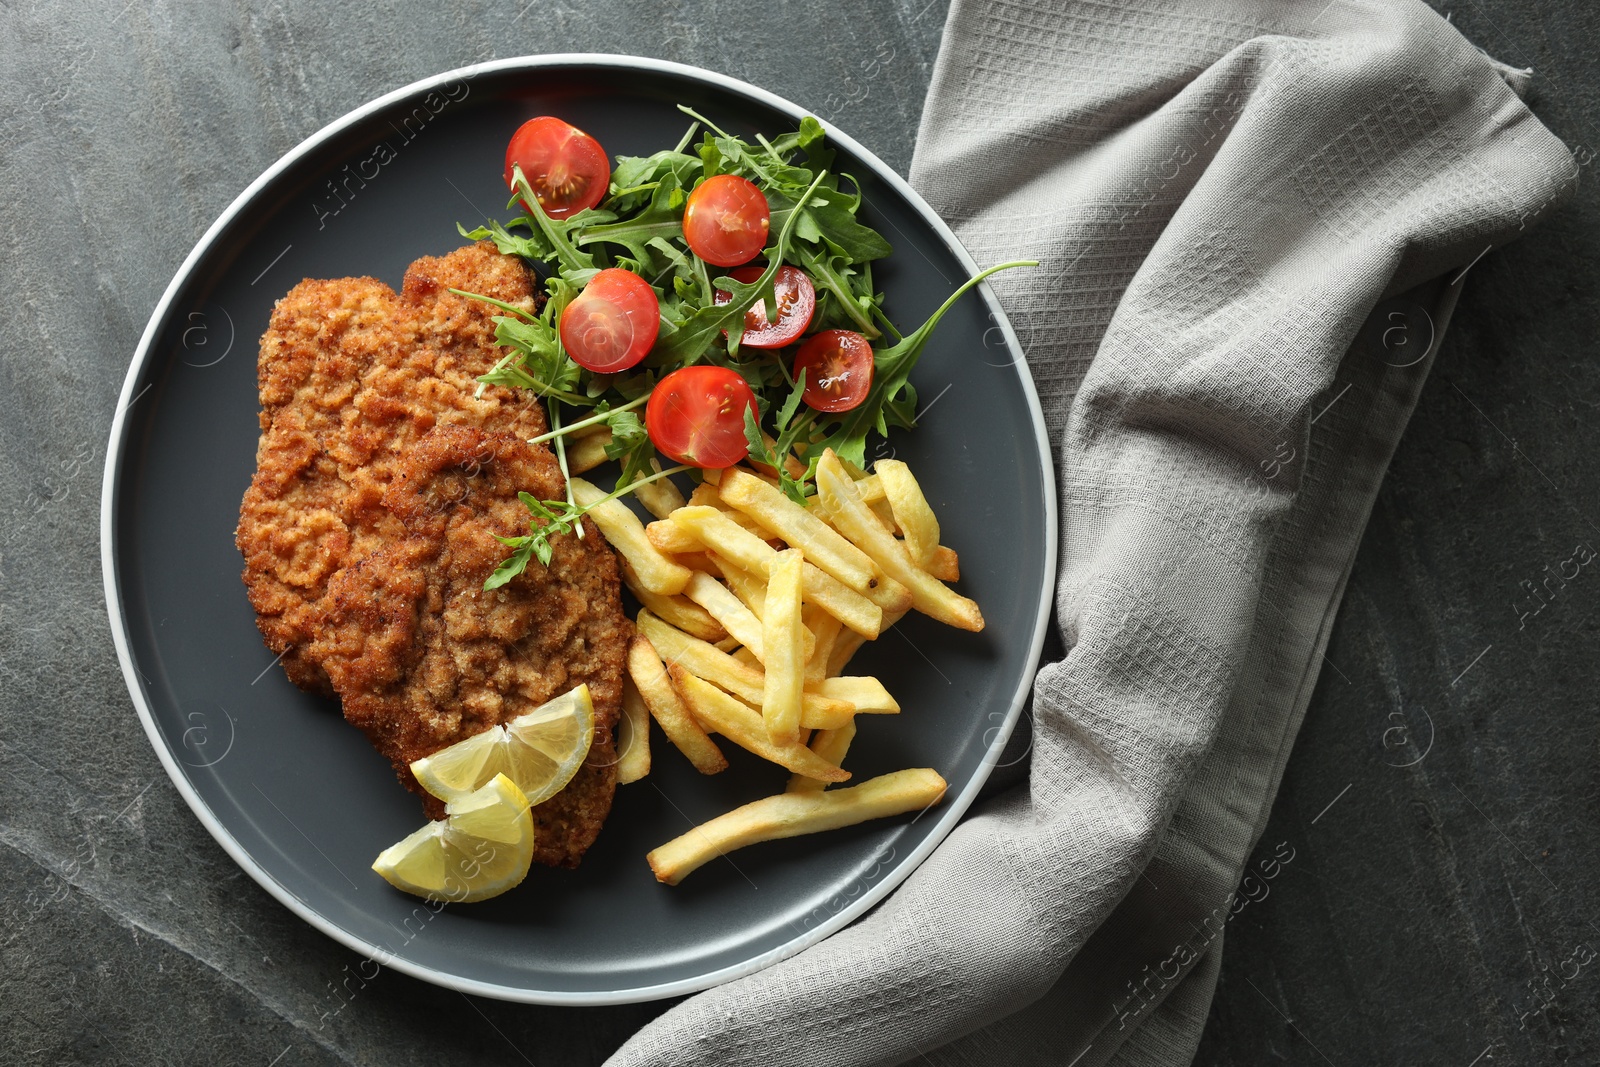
(298, 797)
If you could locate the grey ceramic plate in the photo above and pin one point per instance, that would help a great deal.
(299, 799)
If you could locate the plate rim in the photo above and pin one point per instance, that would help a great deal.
(952, 810)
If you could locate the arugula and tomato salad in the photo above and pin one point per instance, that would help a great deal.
(723, 286)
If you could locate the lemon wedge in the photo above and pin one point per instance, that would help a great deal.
(481, 849)
(539, 751)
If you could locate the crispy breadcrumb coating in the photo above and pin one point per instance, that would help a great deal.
(367, 530)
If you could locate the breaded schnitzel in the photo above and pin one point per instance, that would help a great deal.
(366, 531)
(350, 374)
(423, 657)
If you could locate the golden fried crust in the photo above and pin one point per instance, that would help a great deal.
(350, 375)
(422, 656)
(366, 535)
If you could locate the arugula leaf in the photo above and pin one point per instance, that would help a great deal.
(701, 328)
(515, 564)
(891, 399)
(635, 464)
(817, 227)
(662, 218)
(723, 154)
(627, 430)
(501, 304)
(832, 275)
(603, 413)
(786, 412)
(809, 133)
(547, 519)
(635, 176)
(777, 454)
(556, 234)
(837, 226)
(508, 243)
(759, 449)
(630, 444)
(536, 361)
(683, 268)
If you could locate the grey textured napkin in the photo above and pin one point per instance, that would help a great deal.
(1253, 219)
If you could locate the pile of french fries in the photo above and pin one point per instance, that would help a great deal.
(753, 606)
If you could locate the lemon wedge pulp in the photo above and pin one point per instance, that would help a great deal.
(539, 751)
(481, 849)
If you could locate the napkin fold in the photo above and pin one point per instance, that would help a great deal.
(1254, 219)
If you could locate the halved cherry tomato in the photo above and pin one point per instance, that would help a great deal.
(797, 299)
(696, 416)
(726, 220)
(566, 168)
(611, 324)
(838, 366)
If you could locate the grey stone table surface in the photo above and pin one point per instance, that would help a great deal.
(1442, 907)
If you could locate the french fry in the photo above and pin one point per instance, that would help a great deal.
(706, 495)
(726, 609)
(749, 588)
(740, 723)
(785, 662)
(855, 521)
(586, 450)
(945, 565)
(735, 616)
(649, 674)
(660, 498)
(878, 507)
(911, 510)
(633, 736)
(677, 539)
(699, 561)
(831, 745)
(870, 487)
(718, 531)
(672, 538)
(816, 714)
(623, 529)
(709, 495)
(754, 606)
(863, 692)
(792, 814)
(890, 596)
(682, 612)
(825, 630)
(822, 545)
(743, 680)
(885, 517)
